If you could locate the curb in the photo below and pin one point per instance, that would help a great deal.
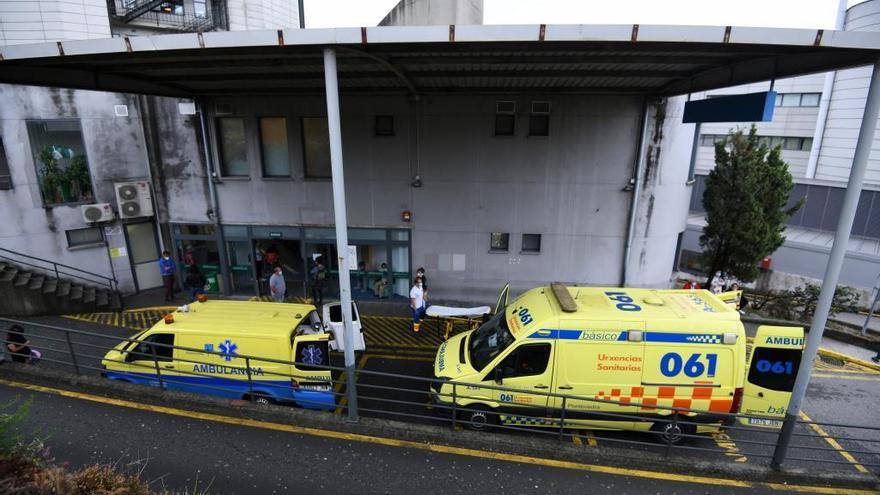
(850, 359)
(507, 443)
(834, 333)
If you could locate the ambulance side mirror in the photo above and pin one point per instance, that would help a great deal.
(499, 376)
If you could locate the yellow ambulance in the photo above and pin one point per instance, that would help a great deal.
(234, 349)
(602, 357)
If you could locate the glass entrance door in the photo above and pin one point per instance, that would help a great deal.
(241, 267)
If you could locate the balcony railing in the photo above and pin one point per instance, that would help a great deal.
(148, 13)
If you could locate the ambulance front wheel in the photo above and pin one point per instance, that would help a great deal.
(667, 432)
(478, 418)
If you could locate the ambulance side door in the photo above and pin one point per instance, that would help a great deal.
(771, 373)
(602, 365)
(525, 375)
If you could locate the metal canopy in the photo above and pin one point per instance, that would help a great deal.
(658, 60)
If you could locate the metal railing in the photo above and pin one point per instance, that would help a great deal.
(145, 13)
(58, 269)
(406, 398)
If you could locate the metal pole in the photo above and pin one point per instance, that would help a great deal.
(302, 15)
(72, 354)
(835, 262)
(335, 131)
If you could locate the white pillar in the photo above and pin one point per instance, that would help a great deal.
(335, 130)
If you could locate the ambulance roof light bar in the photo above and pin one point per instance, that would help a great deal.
(563, 297)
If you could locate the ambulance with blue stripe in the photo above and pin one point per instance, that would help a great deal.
(258, 351)
(604, 358)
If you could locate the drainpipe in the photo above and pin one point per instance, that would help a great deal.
(636, 191)
(212, 190)
(824, 103)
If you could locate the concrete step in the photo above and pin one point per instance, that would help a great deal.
(102, 298)
(63, 288)
(8, 274)
(88, 295)
(22, 279)
(50, 285)
(3, 265)
(36, 282)
(76, 293)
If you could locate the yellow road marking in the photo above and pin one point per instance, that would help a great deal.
(723, 440)
(343, 401)
(834, 444)
(442, 449)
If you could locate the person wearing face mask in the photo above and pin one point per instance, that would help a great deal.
(418, 302)
(277, 286)
(421, 274)
(167, 268)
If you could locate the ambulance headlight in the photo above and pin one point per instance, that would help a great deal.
(729, 338)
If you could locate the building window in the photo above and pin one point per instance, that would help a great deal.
(798, 100)
(505, 118)
(384, 125)
(200, 8)
(5, 176)
(273, 146)
(499, 241)
(60, 158)
(233, 147)
(531, 243)
(539, 120)
(787, 143)
(90, 236)
(316, 147)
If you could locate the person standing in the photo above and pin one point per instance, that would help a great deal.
(418, 302)
(18, 344)
(420, 272)
(195, 281)
(167, 268)
(381, 285)
(318, 276)
(277, 286)
(716, 285)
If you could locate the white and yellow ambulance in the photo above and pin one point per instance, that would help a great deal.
(234, 349)
(594, 351)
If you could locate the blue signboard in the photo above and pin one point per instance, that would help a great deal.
(752, 107)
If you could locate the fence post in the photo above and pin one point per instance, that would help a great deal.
(72, 355)
(156, 364)
(454, 405)
(562, 419)
(247, 365)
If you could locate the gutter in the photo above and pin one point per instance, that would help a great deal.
(637, 190)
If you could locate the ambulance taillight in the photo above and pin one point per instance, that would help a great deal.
(737, 400)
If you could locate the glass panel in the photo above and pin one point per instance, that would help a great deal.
(142, 242)
(399, 235)
(366, 234)
(200, 8)
(401, 269)
(791, 100)
(60, 158)
(233, 146)
(505, 125)
(206, 255)
(235, 231)
(84, 237)
(806, 144)
(791, 143)
(775, 369)
(499, 241)
(531, 243)
(195, 229)
(316, 147)
(810, 99)
(273, 142)
(707, 140)
(240, 266)
(320, 233)
(539, 125)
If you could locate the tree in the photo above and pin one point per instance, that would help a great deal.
(745, 202)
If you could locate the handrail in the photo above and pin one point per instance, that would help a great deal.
(103, 280)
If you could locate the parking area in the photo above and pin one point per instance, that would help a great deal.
(841, 393)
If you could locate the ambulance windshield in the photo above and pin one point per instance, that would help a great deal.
(489, 341)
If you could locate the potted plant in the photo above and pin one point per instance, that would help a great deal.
(50, 175)
(77, 174)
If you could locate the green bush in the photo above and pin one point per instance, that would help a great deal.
(799, 303)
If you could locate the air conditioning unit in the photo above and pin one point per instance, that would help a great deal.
(100, 212)
(134, 199)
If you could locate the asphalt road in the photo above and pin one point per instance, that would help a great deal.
(186, 454)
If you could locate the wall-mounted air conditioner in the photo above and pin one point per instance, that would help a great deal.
(134, 199)
(100, 212)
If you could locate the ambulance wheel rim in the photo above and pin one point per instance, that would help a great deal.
(260, 399)
(478, 419)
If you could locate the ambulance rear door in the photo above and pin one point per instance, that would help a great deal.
(771, 373)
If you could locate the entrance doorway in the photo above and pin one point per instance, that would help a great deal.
(288, 254)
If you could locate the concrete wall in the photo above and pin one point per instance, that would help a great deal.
(30, 21)
(567, 187)
(262, 14)
(434, 12)
(115, 151)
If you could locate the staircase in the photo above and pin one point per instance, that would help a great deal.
(32, 286)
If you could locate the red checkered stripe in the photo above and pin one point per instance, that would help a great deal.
(697, 398)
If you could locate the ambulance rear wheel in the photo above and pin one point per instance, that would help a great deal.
(667, 432)
(259, 399)
(478, 418)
